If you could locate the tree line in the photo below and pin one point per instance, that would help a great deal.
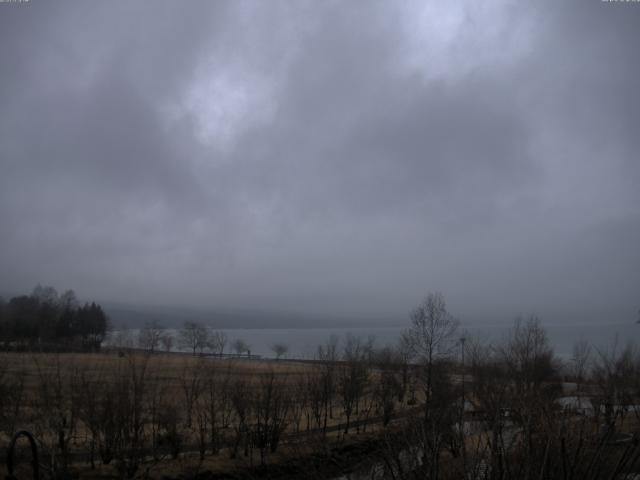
(193, 337)
(46, 320)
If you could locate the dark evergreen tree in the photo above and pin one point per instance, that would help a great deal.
(46, 320)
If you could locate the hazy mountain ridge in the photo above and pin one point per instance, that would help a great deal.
(135, 316)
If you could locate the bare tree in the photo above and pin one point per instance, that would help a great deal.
(112, 404)
(240, 346)
(270, 407)
(353, 377)
(11, 397)
(491, 391)
(241, 401)
(193, 336)
(579, 364)
(132, 403)
(192, 384)
(167, 342)
(55, 408)
(431, 335)
(388, 387)
(121, 339)
(528, 355)
(279, 349)
(328, 356)
(329, 351)
(530, 368)
(403, 355)
(89, 394)
(299, 403)
(150, 336)
(616, 373)
(217, 342)
(215, 404)
(156, 401)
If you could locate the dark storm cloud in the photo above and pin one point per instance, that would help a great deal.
(337, 158)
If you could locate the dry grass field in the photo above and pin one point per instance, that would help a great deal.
(177, 413)
(130, 414)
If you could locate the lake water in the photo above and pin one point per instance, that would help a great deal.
(303, 342)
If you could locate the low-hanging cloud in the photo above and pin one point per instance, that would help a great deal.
(327, 158)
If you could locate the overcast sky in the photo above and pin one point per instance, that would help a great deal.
(337, 157)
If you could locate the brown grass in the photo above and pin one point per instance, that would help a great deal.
(167, 372)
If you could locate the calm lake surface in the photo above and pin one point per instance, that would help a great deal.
(303, 342)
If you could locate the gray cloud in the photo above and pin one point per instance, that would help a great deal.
(333, 158)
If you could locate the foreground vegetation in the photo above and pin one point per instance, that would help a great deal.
(435, 406)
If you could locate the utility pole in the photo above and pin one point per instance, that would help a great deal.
(462, 341)
(462, 408)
